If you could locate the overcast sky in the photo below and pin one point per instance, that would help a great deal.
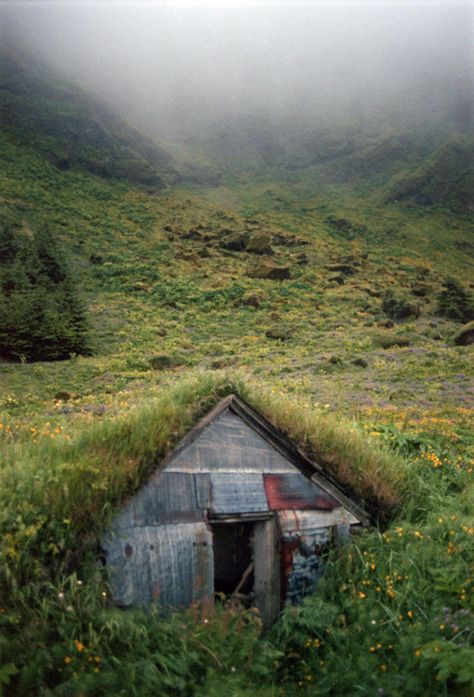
(152, 58)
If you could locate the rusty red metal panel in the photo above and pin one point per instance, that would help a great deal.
(295, 491)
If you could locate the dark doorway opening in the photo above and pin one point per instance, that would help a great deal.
(233, 560)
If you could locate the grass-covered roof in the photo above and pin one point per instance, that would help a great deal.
(85, 479)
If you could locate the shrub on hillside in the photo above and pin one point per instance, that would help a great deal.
(398, 307)
(41, 316)
(455, 302)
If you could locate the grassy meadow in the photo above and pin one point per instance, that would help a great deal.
(179, 317)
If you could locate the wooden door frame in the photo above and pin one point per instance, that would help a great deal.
(266, 558)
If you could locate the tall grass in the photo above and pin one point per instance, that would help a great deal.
(393, 614)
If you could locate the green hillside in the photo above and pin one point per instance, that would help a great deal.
(71, 128)
(446, 178)
(313, 282)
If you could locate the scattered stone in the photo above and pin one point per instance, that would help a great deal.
(371, 291)
(192, 234)
(165, 362)
(346, 269)
(465, 336)
(360, 363)
(67, 409)
(270, 272)
(344, 227)
(335, 360)
(94, 409)
(236, 242)
(141, 286)
(259, 244)
(390, 340)
(279, 333)
(337, 278)
(62, 396)
(287, 240)
(301, 259)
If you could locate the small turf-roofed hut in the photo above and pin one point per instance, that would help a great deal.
(236, 509)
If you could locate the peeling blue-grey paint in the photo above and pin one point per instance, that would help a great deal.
(237, 493)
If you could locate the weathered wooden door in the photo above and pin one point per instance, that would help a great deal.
(267, 571)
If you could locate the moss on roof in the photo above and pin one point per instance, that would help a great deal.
(84, 481)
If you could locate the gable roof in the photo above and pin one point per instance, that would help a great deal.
(287, 453)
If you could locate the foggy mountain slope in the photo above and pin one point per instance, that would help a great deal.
(348, 152)
(445, 178)
(71, 128)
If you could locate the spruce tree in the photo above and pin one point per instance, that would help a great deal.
(455, 302)
(41, 315)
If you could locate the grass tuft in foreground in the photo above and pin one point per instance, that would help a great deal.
(394, 613)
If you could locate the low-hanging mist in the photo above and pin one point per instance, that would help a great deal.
(181, 69)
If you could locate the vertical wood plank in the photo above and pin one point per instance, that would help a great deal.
(267, 572)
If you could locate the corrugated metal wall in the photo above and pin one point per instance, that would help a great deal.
(170, 564)
(229, 444)
(159, 547)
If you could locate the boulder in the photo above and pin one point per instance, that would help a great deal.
(337, 278)
(335, 360)
(288, 240)
(390, 340)
(301, 259)
(62, 396)
(465, 336)
(143, 287)
(259, 244)
(373, 292)
(346, 269)
(270, 271)
(193, 233)
(360, 362)
(400, 395)
(235, 242)
(279, 333)
(165, 362)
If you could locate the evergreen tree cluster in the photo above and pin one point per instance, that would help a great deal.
(41, 315)
(455, 302)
